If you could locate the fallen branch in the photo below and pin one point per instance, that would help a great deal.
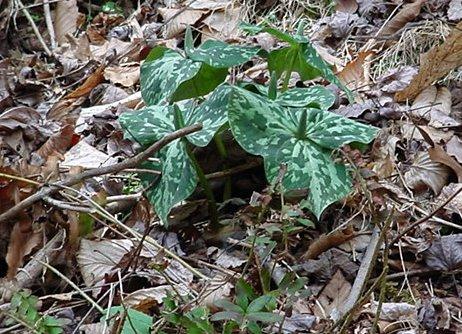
(77, 178)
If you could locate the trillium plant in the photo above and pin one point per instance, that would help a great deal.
(284, 126)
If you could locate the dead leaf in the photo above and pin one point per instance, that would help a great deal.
(105, 94)
(455, 205)
(435, 64)
(86, 156)
(455, 10)
(98, 258)
(57, 144)
(426, 173)
(178, 19)
(22, 242)
(222, 24)
(410, 131)
(346, 6)
(18, 118)
(156, 294)
(454, 148)
(327, 241)
(396, 311)
(329, 262)
(226, 259)
(218, 288)
(434, 105)
(65, 21)
(445, 253)
(334, 294)
(127, 76)
(91, 82)
(407, 14)
(437, 154)
(353, 74)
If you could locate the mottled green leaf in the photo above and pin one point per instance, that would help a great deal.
(263, 127)
(205, 80)
(178, 177)
(315, 96)
(178, 181)
(147, 125)
(300, 56)
(212, 114)
(222, 55)
(163, 73)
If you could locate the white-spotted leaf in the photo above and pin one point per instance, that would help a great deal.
(301, 138)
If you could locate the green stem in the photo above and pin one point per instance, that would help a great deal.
(285, 84)
(208, 191)
(179, 123)
(224, 154)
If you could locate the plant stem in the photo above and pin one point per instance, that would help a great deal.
(224, 154)
(213, 212)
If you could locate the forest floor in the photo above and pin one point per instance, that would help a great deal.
(82, 249)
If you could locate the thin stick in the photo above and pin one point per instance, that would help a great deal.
(49, 23)
(74, 286)
(424, 219)
(34, 27)
(77, 178)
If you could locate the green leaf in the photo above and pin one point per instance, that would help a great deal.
(205, 80)
(135, 322)
(265, 128)
(228, 306)
(253, 328)
(179, 177)
(315, 96)
(259, 303)
(178, 181)
(162, 73)
(212, 114)
(227, 315)
(166, 76)
(222, 55)
(300, 56)
(264, 317)
(244, 293)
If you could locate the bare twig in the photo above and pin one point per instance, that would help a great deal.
(34, 27)
(77, 178)
(49, 23)
(426, 218)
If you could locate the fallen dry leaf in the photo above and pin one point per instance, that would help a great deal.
(335, 293)
(455, 10)
(126, 76)
(454, 148)
(435, 64)
(86, 156)
(437, 154)
(65, 21)
(407, 14)
(353, 74)
(426, 173)
(445, 253)
(178, 19)
(21, 244)
(91, 82)
(434, 105)
(346, 6)
(156, 294)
